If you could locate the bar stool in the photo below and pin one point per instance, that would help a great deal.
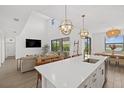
(117, 60)
(108, 59)
(39, 76)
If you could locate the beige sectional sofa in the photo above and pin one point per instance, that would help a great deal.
(27, 63)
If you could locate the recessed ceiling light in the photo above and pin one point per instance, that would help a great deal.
(16, 19)
(14, 31)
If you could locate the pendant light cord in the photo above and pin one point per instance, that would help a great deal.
(65, 11)
(83, 21)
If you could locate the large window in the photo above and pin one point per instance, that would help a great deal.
(60, 45)
(118, 41)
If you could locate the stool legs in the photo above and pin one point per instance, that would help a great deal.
(117, 60)
(39, 78)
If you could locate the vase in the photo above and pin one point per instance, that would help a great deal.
(112, 52)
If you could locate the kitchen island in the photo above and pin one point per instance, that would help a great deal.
(73, 73)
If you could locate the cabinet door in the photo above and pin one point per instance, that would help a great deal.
(85, 84)
(101, 75)
(96, 79)
(93, 79)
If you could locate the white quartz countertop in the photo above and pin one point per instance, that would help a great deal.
(68, 73)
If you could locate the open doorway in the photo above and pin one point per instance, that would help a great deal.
(10, 47)
(0, 50)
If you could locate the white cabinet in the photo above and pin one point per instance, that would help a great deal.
(85, 84)
(93, 79)
(101, 75)
(96, 79)
(90, 82)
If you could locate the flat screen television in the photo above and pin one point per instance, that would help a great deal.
(33, 43)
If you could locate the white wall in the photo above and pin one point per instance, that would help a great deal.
(2, 49)
(98, 42)
(54, 33)
(39, 27)
(35, 28)
(10, 46)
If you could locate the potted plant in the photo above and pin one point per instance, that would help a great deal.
(113, 47)
(45, 49)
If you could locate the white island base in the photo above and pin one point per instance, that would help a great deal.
(73, 73)
(46, 83)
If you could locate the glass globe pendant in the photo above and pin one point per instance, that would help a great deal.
(83, 32)
(66, 25)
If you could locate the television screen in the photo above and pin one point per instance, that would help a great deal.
(30, 43)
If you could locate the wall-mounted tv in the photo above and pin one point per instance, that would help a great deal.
(33, 43)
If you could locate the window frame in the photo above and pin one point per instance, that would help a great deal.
(115, 44)
(61, 40)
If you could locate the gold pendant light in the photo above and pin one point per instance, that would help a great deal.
(113, 32)
(66, 25)
(83, 32)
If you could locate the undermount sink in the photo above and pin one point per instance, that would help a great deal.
(91, 60)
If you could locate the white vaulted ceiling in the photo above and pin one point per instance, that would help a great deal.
(98, 18)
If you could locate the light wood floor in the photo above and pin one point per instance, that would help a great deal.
(115, 75)
(11, 78)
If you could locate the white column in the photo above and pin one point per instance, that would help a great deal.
(0, 51)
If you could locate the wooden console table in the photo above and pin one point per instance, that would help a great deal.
(48, 59)
(110, 55)
(121, 56)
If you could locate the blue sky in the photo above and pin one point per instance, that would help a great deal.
(118, 39)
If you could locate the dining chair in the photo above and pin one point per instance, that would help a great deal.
(117, 60)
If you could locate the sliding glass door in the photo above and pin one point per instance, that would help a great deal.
(61, 44)
(87, 49)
